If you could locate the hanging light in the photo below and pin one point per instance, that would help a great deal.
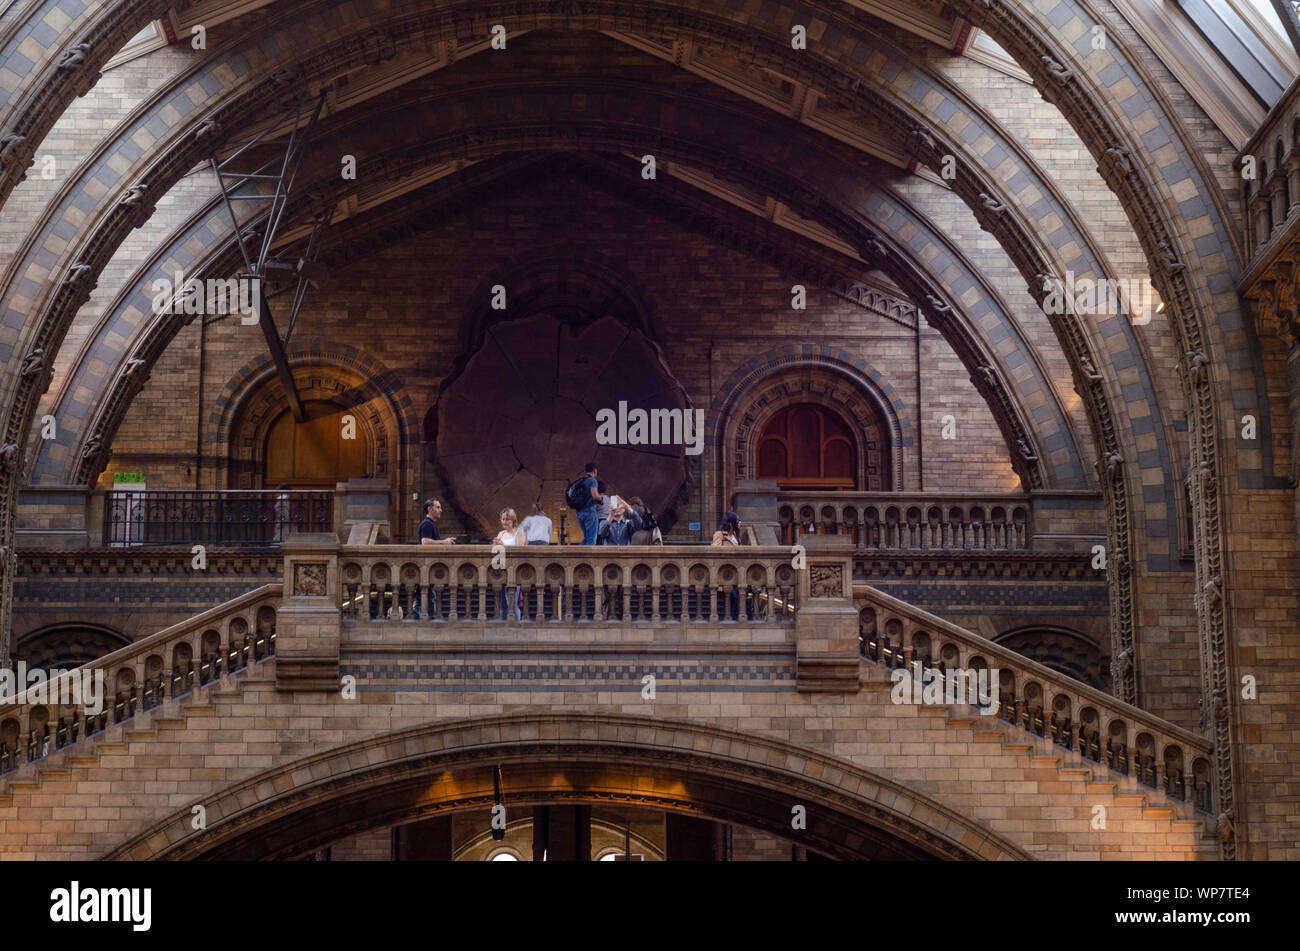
(498, 832)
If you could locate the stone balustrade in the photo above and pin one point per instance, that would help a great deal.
(572, 584)
(139, 677)
(1270, 180)
(895, 520)
(1046, 703)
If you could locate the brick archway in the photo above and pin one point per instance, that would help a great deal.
(695, 769)
(762, 386)
(349, 379)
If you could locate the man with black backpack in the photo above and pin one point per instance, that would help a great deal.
(582, 496)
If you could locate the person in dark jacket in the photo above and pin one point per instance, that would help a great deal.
(618, 531)
(622, 524)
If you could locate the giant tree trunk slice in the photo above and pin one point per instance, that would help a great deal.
(517, 423)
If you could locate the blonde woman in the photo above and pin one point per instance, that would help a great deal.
(510, 534)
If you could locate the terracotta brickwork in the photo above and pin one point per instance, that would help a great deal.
(1032, 799)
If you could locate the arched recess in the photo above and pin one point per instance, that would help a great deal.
(676, 765)
(1064, 650)
(341, 376)
(572, 282)
(808, 445)
(767, 384)
(67, 645)
(330, 446)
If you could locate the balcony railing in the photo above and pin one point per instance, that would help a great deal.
(888, 521)
(213, 517)
(1101, 728)
(139, 677)
(569, 584)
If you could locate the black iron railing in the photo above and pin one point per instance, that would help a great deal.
(230, 517)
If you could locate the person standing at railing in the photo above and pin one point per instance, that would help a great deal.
(583, 496)
(727, 535)
(537, 527)
(428, 535)
(510, 534)
(619, 529)
(648, 533)
(603, 508)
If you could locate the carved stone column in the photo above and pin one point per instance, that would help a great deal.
(308, 630)
(826, 627)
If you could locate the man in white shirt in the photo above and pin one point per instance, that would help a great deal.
(537, 527)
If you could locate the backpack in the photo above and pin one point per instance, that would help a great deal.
(576, 495)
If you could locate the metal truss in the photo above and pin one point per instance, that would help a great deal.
(259, 265)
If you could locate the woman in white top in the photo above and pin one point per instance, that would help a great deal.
(510, 534)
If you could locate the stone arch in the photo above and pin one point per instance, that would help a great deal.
(692, 768)
(1062, 649)
(778, 378)
(551, 277)
(64, 645)
(253, 399)
(792, 386)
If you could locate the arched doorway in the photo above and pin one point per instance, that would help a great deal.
(331, 446)
(807, 446)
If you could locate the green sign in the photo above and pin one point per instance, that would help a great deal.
(128, 477)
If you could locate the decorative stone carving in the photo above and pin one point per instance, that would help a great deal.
(74, 57)
(78, 276)
(138, 203)
(1117, 156)
(921, 140)
(10, 453)
(826, 581)
(33, 363)
(13, 151)
(1026, 452)
(1111, 467)
(936, 304)
(207, 128)
(1197, 367)
(1208, 482)
(875, 250)
(1088, 370)
(309, 579)
(1226, 829)
(1168, 260)
(992, 204)
(1213, 592)
(1056, 69)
